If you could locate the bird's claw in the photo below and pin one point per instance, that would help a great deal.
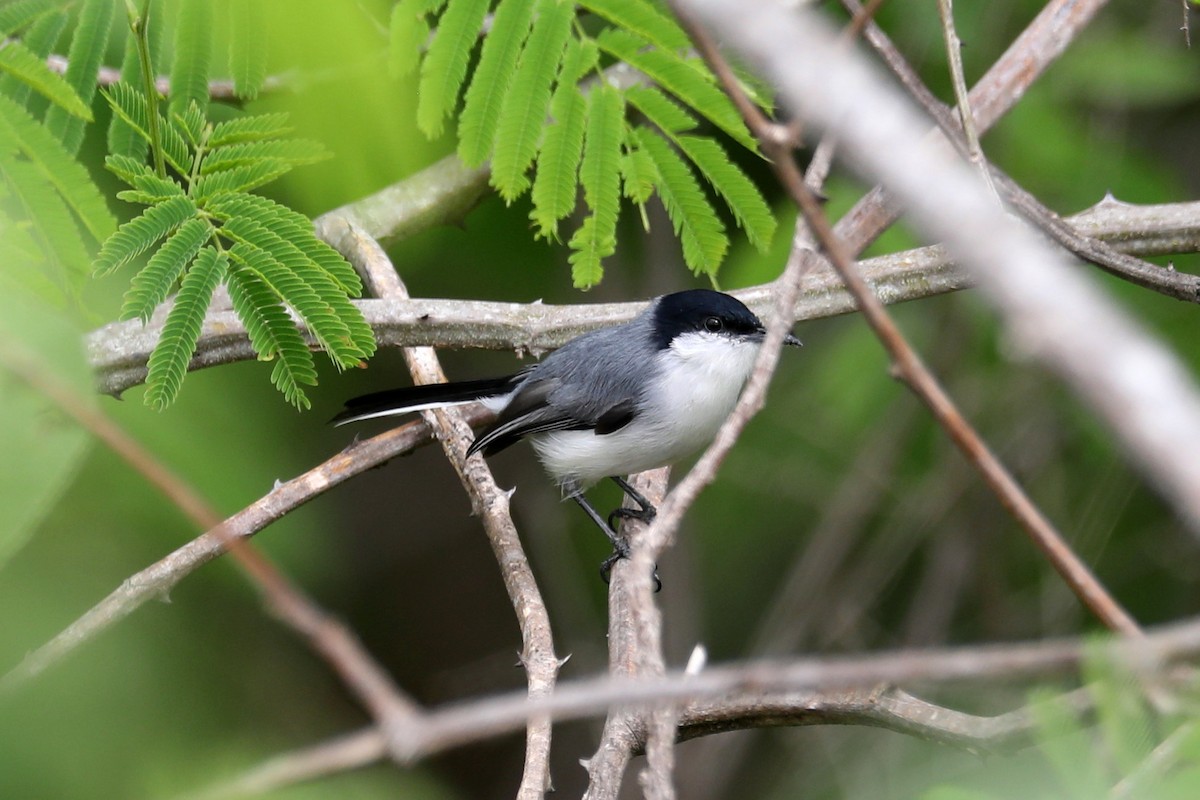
(619, 552)
(641, 514)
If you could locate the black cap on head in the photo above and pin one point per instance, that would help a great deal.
(702, 310)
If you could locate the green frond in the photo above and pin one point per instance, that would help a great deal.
(407, 34)
(54, 227)
(738, 191)
(288, 273)
(247, 47)
(293, 226)
(169, 361)
(126, 167)
(491, 80)
(523, 116)
(130, 105)
(137, 235)
(239, 179)
(643, 19)
(445, 63)
(599, 173)
(554, 185)
(150, 286)
(681, 78)
(28, 68)
(190, 124)
(70, 178)
(39, 38)
(189, 68)
(18, 14)
(122, 138)
(272, 334)
(660, 109)
(695, 221)
(638, 175)
(292, 151)
(250, 129)
(589, 247)
(83, 61)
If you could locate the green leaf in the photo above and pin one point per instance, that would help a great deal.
(660, 109)
(737, 190)
(523, 116)
(239, 179)
(250, 129)
(601, 178)
(407, 34)
(1120, 709)
(554, 186)
(679, 77)
(491, 79)
(126, 168)
(83, 61)
(292, 151)
(169, 361)
(293, 226)
(695, 222)
(643, 19)
(189, 68)
(130, 104)
(122, 138)
(53, 226)
(445, 64)
(23, 65)
(272, 334)
(1058, 741)
(247, 47)
(137, 235)
(49, 444)
(190, 124)
(17, 15)
(40, 38)
(639, 175)
(151, 286)
(72, 181)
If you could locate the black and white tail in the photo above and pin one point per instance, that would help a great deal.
(418, 398)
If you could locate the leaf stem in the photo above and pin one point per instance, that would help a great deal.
(138, 23)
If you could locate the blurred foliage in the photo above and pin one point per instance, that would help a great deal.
(843, 521)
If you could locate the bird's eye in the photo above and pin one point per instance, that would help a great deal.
(713, 324)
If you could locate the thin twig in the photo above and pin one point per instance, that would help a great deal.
(912, 370)
(490, 503)
(954, 58)
(326, 635)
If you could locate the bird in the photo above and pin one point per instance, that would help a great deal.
(611, 402)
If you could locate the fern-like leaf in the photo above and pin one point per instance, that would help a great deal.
(24, 66)
(491, 80)
(39, 38)
(272, 334)
(239, 179)
(20, 131)
(695, 222)
(737, 190)
(83, 60)
(445, 64)
(638, 175)
(294, 227)
(190, 124)
(169, 361)
(137, 235)
(127, 168)
(292, 151)
(130, 104)
(601, 178)
(407, 34)
(554, 186)
(122, 138)
(677, 76)
(18, 14)
(189, 68)
(151, 285)
(643, 19)
(247, 47)
(55, 229)
(523, 116)
(660, 109)
(250, 129)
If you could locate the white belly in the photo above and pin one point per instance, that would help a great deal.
(700, 387)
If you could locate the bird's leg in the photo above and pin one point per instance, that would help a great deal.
(620, 546)
(645, 513)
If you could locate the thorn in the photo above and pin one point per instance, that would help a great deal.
(562, 662)
(277, 484)
(697, 660)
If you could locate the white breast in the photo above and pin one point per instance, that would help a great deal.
(702, 376)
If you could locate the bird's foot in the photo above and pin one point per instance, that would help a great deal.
(622, 551)
(645, 515)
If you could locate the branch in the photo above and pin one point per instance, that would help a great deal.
(118, 352)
